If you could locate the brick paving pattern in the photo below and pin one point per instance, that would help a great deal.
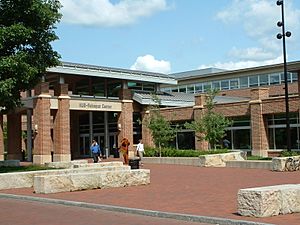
(188, 190)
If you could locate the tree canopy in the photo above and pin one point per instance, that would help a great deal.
(26, 32)
(211, 127)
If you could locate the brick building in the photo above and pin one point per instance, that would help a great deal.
(75, 103)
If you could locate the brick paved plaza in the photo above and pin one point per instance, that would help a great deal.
(183, 189)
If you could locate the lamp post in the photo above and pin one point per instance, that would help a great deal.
(282, 36)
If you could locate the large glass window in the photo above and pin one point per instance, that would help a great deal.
(113, 89)
(216, 85)
(253, 81)
(207, 86)
(198, 88)
(190, 88)
(234, 84)
(182, 88)
(224, 84)
(275, 78)
(263, 79)
(98, 87)
(244, 82)
(277, 131)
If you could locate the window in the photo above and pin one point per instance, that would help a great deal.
(206, 86)
(224, 84)
(253, 81)
(234, 84)
(244, 82)
(294, 77)
(275, 78)
(190, 89)
(182, 89)
(216, 85)
(175, 89)
(263, 79)
(198, 88)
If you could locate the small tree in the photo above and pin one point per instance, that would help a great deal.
(211, 127)
(161, 130)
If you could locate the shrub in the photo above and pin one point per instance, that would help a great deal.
(289, 153)
(170, 152)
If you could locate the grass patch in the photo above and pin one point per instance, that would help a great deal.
(255, 157)
(12, 169)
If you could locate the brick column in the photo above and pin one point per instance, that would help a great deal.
(146, 132)
(14, 137)
(125, 124)
(61, 128)
(1, 138)
(125, 118)
(259, 128)
(42, 124)
(198, 114)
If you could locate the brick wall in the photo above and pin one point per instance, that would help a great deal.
(14, 132)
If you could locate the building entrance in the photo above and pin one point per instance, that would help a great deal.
(85, 143)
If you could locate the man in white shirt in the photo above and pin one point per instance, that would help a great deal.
(140, 150)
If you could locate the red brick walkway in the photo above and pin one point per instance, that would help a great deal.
(189, 190)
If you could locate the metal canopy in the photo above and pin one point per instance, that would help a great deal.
(114, 73)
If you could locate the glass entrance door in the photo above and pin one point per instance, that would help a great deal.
(84, 145)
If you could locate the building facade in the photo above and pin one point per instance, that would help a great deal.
(75, 103)
(253, 99)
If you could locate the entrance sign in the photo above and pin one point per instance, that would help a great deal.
(95, 105)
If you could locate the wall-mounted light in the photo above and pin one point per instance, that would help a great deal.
(119, 126)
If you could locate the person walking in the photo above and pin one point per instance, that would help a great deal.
(95, 149)
(140, 151)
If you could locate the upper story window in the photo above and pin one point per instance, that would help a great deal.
(225, 85)
(253, 81)
(263, 79)
(182, 89)
(198, 88)
(216, 85)
(244, 82)
(234, 84)
(275, 78)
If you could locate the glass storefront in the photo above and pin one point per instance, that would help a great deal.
(277, 131)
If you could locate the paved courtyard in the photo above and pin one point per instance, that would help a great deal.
(183, 189)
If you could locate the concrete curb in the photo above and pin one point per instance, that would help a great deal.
(159, 214)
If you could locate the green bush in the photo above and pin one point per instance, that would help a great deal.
(289, 153)
(170, 152)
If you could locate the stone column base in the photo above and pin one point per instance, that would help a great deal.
(14, 156)
(1, 157)
(41, 159)
(61, 157)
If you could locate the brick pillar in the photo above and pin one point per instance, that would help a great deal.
(1, 138)
(61, 128)
(198, 114)
(259, 127)
(14, 131)
(125, 124)
(42, 124)
(146, 132)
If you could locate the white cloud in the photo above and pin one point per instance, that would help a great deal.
(150, 64)
(242, 64)
(107, 14)
(253, 53)
(258, 18)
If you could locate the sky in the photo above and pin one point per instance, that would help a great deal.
(170, 36)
